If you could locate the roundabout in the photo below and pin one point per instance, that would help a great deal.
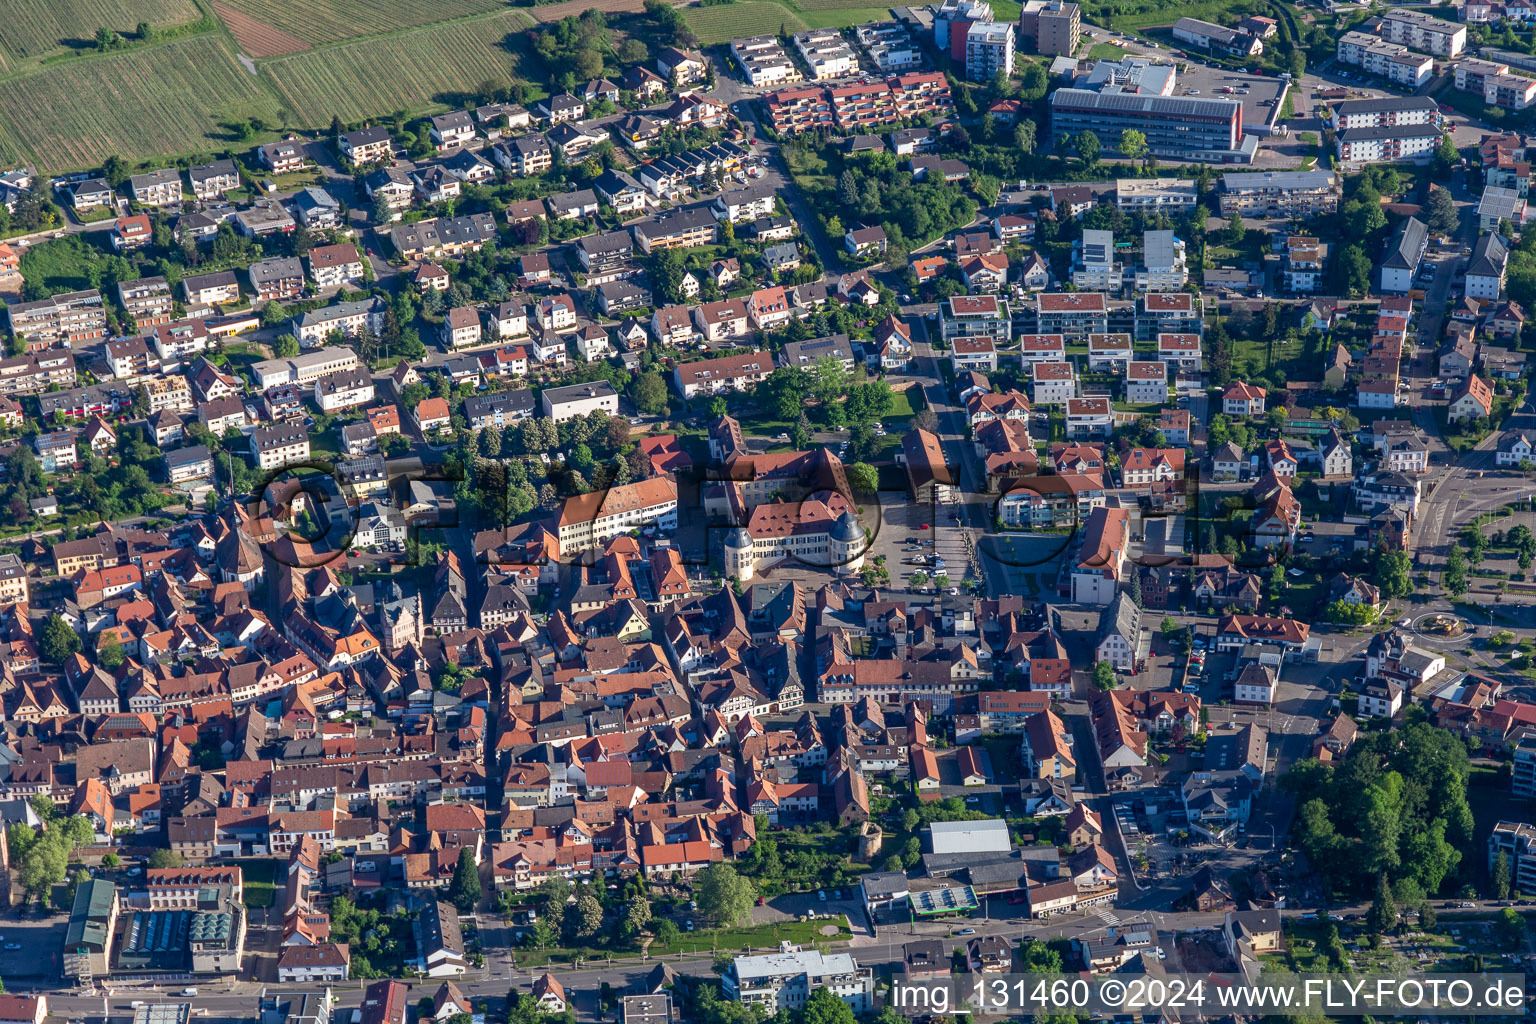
(1440, 628)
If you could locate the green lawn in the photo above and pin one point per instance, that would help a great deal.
(1106, 51)
(763, 936)
(260, 878)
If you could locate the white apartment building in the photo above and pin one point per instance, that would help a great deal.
(1392, 61)
(989, 48)
(1168, 195)
(575, 400)
(1164, 268)
(343, 389)
(1421, 31)
(279, 445)
(826, 54)
(785, 980)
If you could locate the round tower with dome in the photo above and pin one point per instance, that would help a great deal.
(740, 561)
(846, 544)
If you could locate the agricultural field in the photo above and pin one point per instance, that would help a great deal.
(327, 21)
(721, 24)
(403, 71)
(765, 17)
(155, 101)
(34, 27)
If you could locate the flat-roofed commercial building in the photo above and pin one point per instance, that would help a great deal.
(1177, 127)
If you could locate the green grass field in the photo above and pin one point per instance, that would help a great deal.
(732, 21)
(763, 936)
(157, 101)
(326, 21)
(34, 27)
(259, 876)
(406, 70)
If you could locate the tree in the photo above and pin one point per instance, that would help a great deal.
(1236, 231)
(166, 859)
(1393, 574)
(863, 478)
(1446, 156)
(589, 914)
(1383, 913)
(1441, 211)
(666, 932)
(1354, 270)
(637, 913)
(724, 896)
(1500, 879)
(666, 271)
(1025, 134)
(1087, 146)
(110, 653)
(1038, 958)
(1133, 144)
(465, 890)
(1104, 676)
(111, 861)
(58, 640)
(1453, 578)
(823, 1007)
(650, 393)
(1512, 924)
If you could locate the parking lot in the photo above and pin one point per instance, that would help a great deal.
(1259, 94)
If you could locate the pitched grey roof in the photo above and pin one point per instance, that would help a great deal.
(1407, 245)
(1489, 257)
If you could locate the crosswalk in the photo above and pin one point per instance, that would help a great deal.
(1108, 917)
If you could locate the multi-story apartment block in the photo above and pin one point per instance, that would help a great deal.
(1163, 265)
(825, 53)
(717, 376)
(799, 109)
(576, 400)
(171, 392)
(1392, 61)
(279, 445)
(1359, 146)
(1074, 315)
(1050, 26)
(1296, 194)
(334, 265)
(344, 389)
(855, 107)
(147, 301)
(344, 318)
(1420, 30)
(303, 370)
(156, 188)
(212, 180)
(37, 371)
(1304, 258)
(1516, 840)
(277, 279)
(1495, 83)
(128, 358)
(365, 146)
(178, 342)
(975, 316)
(764, 62)
(444, 236)
(1385, 112)
(989, 48)
(784, 981)
(1155, 195)
(66, 319)
(1168, 313)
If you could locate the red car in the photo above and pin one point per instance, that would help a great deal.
(925, 526)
